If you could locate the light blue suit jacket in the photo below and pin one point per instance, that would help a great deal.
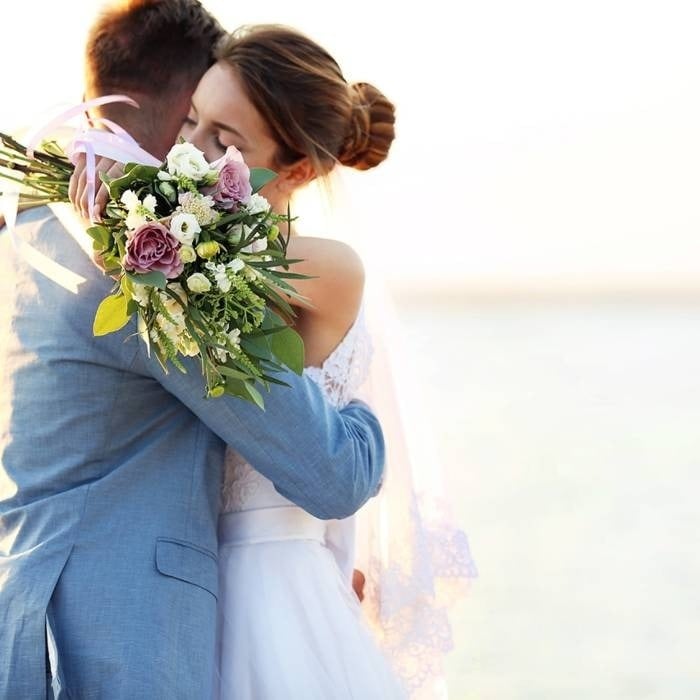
(109, 488)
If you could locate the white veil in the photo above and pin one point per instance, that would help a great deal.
(406, 541)
(415, 557)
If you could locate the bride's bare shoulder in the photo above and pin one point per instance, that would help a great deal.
(335, 267)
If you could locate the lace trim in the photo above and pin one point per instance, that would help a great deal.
(408, 595)
(347, 367)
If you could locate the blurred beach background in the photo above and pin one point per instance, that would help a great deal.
(537, 225)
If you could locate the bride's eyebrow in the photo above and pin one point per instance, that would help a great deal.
(231, 130)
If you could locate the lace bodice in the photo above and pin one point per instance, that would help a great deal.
(339, 377)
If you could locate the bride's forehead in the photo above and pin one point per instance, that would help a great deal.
(220, 88)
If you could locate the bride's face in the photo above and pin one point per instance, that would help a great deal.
(221, 115)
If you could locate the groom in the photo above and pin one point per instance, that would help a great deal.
(110, 469)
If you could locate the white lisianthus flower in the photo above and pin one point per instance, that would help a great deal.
(184, 160)
(256, 246)
(220, 275)
(184, 227)
(257, 204)
(198, 283)
(187, 254)
(236, 265)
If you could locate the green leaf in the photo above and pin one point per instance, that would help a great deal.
(111, 315)
(259, 177)
(289, 349)
(244, 390)
(257, 346)
(233, 373)
(101, 236)
(152, 279)
(254, 395)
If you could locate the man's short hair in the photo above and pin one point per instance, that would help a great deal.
(152, 47)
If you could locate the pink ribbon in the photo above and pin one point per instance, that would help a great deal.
(118, 146)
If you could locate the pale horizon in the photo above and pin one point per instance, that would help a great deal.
(540, 145)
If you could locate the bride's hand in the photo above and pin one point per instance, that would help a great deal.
(78, 189)
(358, 583)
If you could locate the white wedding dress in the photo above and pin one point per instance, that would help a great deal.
(290, 625)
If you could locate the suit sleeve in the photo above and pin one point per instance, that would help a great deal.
(328, 461)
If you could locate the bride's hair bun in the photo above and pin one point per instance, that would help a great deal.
(371, 129)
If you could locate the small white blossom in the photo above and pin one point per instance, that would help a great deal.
(198, 283)
(149, 202)
(234, 337)
(130, 200)
(164, 176)
(220, 275)
(184, 227)
(257, 204)
(138, 212)
(134, 219)
(184, 160)
(220, 355)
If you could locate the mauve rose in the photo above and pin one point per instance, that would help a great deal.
(153, 248)
(233, 186)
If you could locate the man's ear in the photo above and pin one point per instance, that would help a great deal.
(292, 177)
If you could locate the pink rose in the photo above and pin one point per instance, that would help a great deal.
(233, 186)
(153, 248)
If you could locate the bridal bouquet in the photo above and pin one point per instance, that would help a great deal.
(197, 255)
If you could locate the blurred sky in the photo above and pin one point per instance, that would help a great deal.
(540, 144)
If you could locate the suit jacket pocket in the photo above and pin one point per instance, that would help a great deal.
(188, 562)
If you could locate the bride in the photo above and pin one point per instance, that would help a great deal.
(290, 625)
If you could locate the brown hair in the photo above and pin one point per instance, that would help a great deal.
(151, 49)
(150, 45)
(312, 111)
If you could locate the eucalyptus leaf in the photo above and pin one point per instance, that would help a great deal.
(152, 279)
(259, 177)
